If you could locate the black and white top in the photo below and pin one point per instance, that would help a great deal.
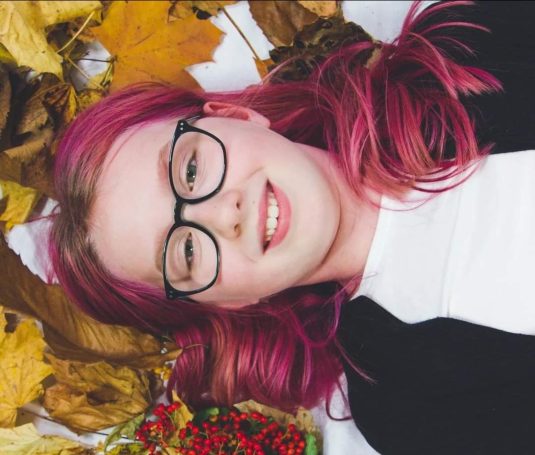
(449, 287)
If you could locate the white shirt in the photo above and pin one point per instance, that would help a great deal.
(467, 253)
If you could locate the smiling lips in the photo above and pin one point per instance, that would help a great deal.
(274, 218)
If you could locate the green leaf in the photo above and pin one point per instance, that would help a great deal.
(205, 414)
(127, 449)
(126, 430)
(311, 448)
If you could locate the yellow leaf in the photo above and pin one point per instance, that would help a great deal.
(20, 203)
(321, 8)
(22, 30)
(25, 440)
(21, 368)
(96, 395)
(182, 415)
(147, 46)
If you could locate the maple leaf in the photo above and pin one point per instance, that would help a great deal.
(21, 368)
(22, 30)
(25, 440)
(147, 46)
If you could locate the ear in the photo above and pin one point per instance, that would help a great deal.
(219, 109)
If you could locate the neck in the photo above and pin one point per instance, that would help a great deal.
(348, 254)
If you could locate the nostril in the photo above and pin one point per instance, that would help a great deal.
(237, 229)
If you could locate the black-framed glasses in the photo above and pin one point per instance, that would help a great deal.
(197, 169)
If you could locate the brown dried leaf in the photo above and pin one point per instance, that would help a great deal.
(314, 43)
(30, 163)
(68, 331)
(62, 101)
(202, 9)
(5, 98)
(321, 8)
(94, 396)
(147, 46)
(281, 20)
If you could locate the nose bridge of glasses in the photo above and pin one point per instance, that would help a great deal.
(219, 214)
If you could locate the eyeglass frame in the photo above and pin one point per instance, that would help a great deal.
(183, 126)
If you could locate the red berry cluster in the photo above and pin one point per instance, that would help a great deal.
(154, 434)
(226, 432)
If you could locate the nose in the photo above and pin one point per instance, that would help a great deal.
(221, 214)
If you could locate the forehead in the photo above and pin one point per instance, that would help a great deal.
(133, 201)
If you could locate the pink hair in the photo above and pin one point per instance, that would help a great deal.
(389, 126)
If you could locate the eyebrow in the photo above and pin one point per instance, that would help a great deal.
(163, 176)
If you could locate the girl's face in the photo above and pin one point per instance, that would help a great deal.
(134, 205)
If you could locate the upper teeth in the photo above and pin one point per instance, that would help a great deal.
(272, 216)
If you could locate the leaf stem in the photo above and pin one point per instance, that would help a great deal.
(240, 32)
(68, 43)
(87, 76)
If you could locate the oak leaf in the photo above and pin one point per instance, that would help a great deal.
(25, 440)
(96, 395)
(21, 368)
(22, 30)
(147, 46)
(69, 332)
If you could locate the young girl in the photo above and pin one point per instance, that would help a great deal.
(247, 222)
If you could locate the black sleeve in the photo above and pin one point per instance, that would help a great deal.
(508, 52)
(442, 386)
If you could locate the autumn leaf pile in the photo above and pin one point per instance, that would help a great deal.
(100, 376)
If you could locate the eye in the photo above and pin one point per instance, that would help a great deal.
(188, 251)
(191, 171)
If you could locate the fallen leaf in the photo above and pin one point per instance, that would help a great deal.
(281, 20)
(62, 101)
(96, 395)
(19, 205)
(125, 430)
(29, 164)
(5, 57)
(303, 419)
(313, 44)
(25, 440)
(147, 46)
(322, 9)
(21, 368)
(68, 331)
(88, 97)
(22, 30)
(262, 66)
(186, 8)
(5, 98)
(182, 415)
